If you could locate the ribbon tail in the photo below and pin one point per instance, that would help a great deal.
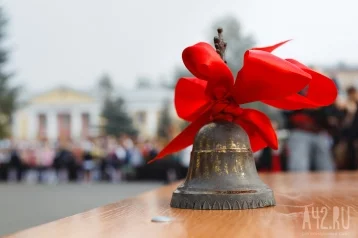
(185, 138)
(271, 47)
(259, 129)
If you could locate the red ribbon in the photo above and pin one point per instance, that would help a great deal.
(214, 95)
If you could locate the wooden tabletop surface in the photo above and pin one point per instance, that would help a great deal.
(308, 205)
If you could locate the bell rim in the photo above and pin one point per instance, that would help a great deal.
(204, 201)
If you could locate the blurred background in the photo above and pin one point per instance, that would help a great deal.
(86, 94)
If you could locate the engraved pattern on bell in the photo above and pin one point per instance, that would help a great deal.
(222, 172)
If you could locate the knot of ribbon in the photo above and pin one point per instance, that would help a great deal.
(214, 95)
(225, 110)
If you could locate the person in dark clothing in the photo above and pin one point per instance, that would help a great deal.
(72, 168)
(350, 131)
(88, 165)
(309, 144)
(4, 164)
(17, 164)
(269, 160)
(64, 160)
(335, 116)
(352, 145)
(105, 165)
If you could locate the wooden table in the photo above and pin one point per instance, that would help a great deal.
(308, 205)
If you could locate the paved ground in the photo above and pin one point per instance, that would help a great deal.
(24, 205)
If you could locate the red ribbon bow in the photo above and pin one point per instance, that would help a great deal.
(214, 95)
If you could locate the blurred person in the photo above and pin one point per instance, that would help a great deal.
(77, 153)
(63, 163)
(136, 159)
(120, 158)
(106, 167)
(72, 166)
(309, 143)
(163, 170)
(98, 149)
(335, 116)
(16, 163)
(350, 128)
(30, 158)
(350, 107)
(45, 155)
(269, 160)
(4, 161)
(149, 150)
(88, 161)
(106, 150)
(127, 142)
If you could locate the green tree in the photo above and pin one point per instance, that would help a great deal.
(165, 121)
(117, 119)
(105, 87)
(8, 92)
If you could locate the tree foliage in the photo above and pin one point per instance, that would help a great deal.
(117, 120)
(105, 87)
(8, 93)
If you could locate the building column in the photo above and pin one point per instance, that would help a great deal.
(151, 123)
(33, 125)
(52, 126)
(76, 125)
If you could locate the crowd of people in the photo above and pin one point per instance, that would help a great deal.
(102, 159)
(320, 139)
(317, 139)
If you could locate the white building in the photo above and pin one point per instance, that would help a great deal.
(145, 105)
(65, 113)
(61, 113)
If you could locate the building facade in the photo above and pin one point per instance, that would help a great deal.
(67, 114)
(145, 106)
(59, 114)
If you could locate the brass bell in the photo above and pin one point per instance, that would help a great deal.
(222, 174)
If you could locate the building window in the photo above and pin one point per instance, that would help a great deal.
(141, 117)
(42, 125)
(85, 125)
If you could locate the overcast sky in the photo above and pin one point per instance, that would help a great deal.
(72, 42)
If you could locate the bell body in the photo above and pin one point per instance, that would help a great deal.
(222, 172)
